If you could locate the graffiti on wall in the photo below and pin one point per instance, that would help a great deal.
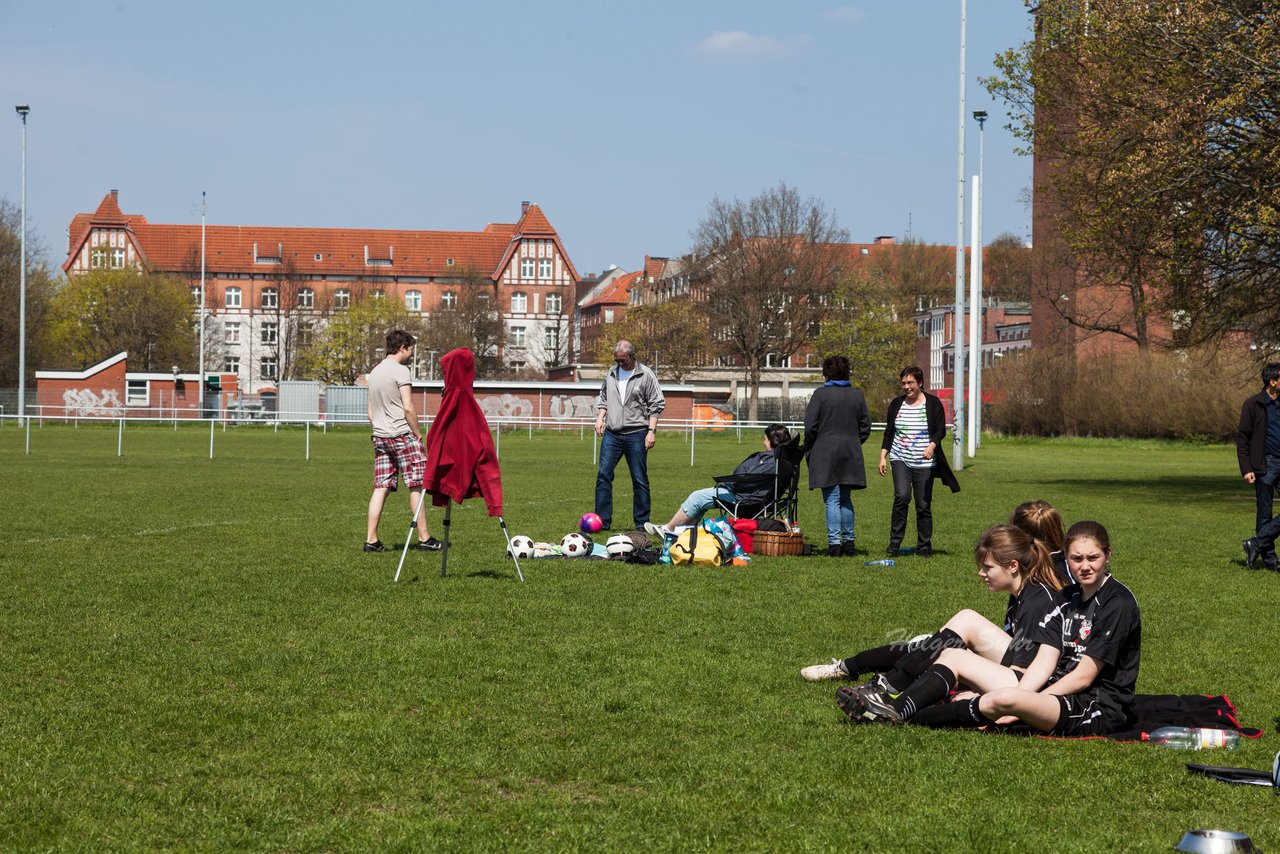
(83, 401)
(560, 407)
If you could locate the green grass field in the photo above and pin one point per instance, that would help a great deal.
(196, 655)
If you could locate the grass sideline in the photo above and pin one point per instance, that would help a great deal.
(197, 655)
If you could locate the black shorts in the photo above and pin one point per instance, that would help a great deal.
(1081, 714)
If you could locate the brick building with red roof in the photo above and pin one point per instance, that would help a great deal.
(268, 288)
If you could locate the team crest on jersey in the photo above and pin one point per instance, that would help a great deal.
(1086, 629)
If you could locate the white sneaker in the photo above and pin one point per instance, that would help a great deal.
(659, 531)
(825, 672)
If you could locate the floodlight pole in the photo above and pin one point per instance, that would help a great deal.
(203, 207)
(22, 110)
(957, 325)
(981, 117)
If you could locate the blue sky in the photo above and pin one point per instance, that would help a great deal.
(622, 120)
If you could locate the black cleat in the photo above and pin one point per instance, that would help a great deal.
(375, 546)
(430, 544)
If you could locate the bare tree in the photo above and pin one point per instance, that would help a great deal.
(764, 268)
(41, 288)
(467, 316)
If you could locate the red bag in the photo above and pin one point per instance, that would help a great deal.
(745, 529)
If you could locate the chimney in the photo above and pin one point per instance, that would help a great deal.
(524, 208)
(884, 240)
(115, 195)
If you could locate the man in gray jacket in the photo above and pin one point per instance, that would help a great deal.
(627, 413)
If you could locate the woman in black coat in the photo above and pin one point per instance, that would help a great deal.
(836, 424)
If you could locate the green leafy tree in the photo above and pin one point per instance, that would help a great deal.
(868, 321)
(41, 288)
(671, 337)
(103, 312)
(353, 341)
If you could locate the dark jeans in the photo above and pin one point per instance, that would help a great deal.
(613, 447)
(1267, 528)
(908, 481)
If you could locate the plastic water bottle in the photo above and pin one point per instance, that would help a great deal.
(1194, 738)
(888, 561)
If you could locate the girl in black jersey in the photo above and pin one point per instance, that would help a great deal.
(899, 664)
(1098, 630)
(1009, 559)
(1042, 520)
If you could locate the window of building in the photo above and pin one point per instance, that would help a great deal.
(342, 298)
(267, 367)
(413, 300)
(519, 302)
(773, 360)
(551, 338)
(306, 333)
(608, 315)
(117, 259)
(526, 268)
(98, 258)
(544, 268)
(270, 298)
(553, 303)
(377, 293)
(232, 330)
(518, 336)
(319, 257)
(195, 295)
(306, 298)
(448, 262)
(231, 365)
(135, 392)
(449, 300)
(270, 332)
(233, 298)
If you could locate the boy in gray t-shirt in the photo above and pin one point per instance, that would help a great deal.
(397, 442)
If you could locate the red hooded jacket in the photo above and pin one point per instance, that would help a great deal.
(461, 460)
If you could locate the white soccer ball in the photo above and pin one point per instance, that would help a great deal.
(620, 545)
(575, 545)
(521, 547)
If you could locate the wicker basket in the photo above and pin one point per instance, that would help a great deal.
(778, 543)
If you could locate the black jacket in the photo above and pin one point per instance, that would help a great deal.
(1251, 436)
(836, 424)
(763, 462)
(937, 420)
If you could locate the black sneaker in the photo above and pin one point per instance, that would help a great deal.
(431, 544)
(375, 546)
(850, 702)
(924, 551)
(876, 706)
(1251, 552)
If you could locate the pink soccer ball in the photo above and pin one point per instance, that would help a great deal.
(590, 523)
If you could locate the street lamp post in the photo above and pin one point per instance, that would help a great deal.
(976, 378)
(22, 110)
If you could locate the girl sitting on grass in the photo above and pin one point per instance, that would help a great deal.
(1021, 570)
(1042, 520)
(1098, 630)
(1009, 560)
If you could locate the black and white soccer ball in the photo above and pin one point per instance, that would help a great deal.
(521, 547)
(619, 546)
(576, 545)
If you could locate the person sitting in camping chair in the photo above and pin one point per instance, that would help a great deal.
(758, 481)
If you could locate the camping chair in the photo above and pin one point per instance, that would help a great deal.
(783, 501)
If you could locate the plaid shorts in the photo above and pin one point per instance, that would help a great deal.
(403, 455)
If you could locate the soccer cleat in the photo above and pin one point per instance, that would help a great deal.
(430, 544)
(375, 546)
(825, 672)
(1251, 552)
(850, 702)
(876, 706)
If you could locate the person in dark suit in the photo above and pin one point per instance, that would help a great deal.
(1258, 449)
(836, 424)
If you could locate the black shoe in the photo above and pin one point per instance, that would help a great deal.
(848, 550)
(892, 551)
(850, 702)
(375, 546)
(924, 551)
(431, 544)
(833, 550)
(1251, 552)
